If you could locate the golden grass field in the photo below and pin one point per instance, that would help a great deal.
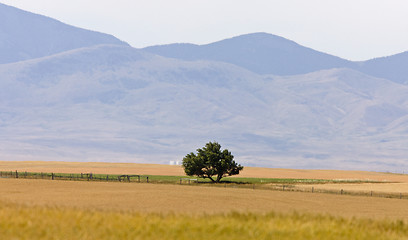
(171, 170)
(392, 183)
(185, 199)
(45, 209)
(367, 188)
(52, 223)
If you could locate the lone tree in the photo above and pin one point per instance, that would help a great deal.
(211, 161)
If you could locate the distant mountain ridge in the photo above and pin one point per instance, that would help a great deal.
(261, 53)
(393, 67)
(265, 53)
(110, 102)
(101, 100)
(25, 35)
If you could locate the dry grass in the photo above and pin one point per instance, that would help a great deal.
(394, 183)
(92, 167)
(45, 209)
(362, 187)
(168, 170)
(322, 174)
(57, 223)
(158, 198)
(18, 222)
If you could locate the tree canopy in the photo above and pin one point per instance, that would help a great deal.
(211, 161)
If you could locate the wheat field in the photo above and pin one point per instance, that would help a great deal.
(184, 199)
(21, 222)
(395, 188)
(390, 183)
(46, 209)
(172, 170)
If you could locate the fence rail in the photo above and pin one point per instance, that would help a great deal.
(145, 179)
(75, 176)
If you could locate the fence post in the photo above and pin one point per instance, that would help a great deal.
(107, 177)
(341, 192)
(52, 176)
(16, 174)
(147, 179)
(180, 181)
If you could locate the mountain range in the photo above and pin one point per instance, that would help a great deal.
(79, 95)
(265, 53)
(25, 35)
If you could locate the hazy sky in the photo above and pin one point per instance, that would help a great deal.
(352, 29)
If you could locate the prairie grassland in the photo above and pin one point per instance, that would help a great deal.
(92, 167)
(21, 222)
(168, 170)
(182, 199)
(361, 187)
(390, 183)
(45, 209)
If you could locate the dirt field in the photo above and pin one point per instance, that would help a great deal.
(164, 198)
(156, 169)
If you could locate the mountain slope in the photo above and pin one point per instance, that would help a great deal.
(24, 35)
(117, 103)
(258, 52)
(265, 53)
(393, 67)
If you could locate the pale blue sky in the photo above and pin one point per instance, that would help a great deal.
(352, 29)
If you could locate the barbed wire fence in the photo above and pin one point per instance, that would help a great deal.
(193, 181)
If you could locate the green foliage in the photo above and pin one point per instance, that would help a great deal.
(211, 161)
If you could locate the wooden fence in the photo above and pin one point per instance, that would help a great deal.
(189, 181)
(75, 176)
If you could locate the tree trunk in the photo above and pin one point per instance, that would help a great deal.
(211, 179)
(219, 178)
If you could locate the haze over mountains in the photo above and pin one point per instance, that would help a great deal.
(265, 53)
(25, 35)
(260, 52)
(86, 96)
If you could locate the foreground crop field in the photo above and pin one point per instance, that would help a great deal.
(46, 209)
(184, 199)
(19, 222)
